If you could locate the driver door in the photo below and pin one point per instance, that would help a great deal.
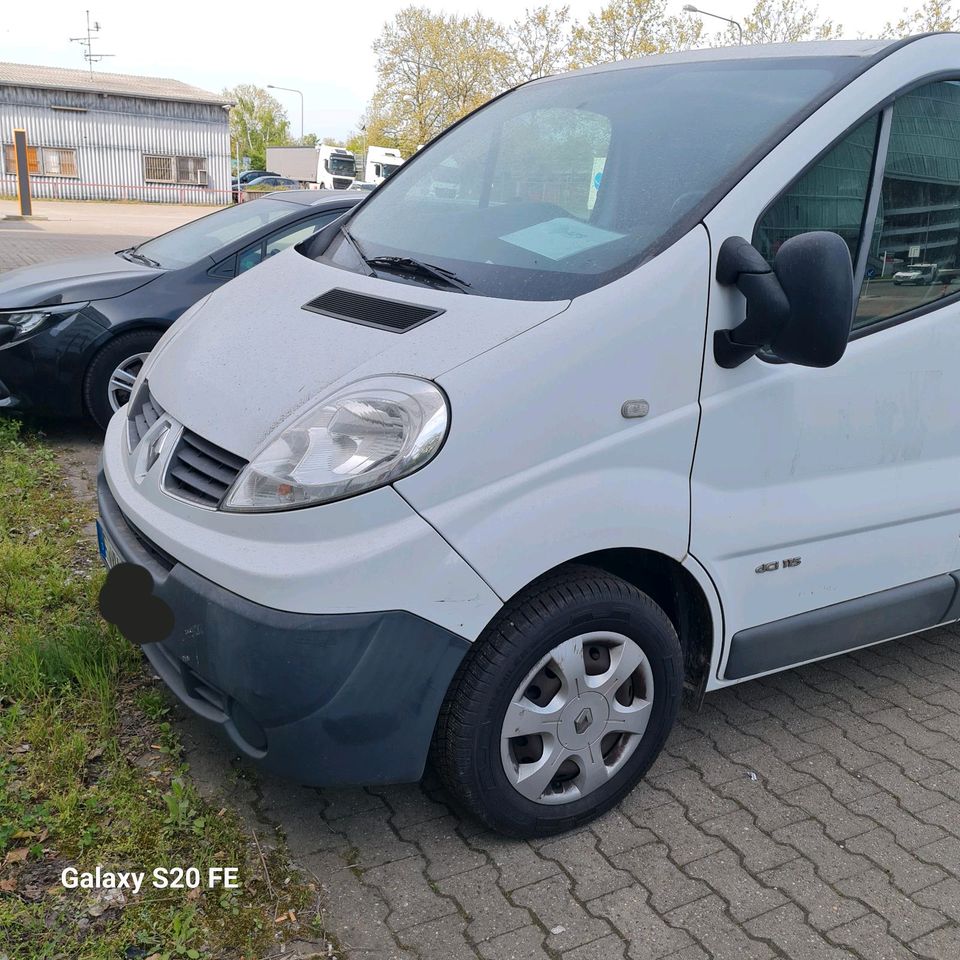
(825, 502)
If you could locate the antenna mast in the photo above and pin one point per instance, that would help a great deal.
(87, 44)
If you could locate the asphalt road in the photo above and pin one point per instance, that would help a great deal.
(811, 815)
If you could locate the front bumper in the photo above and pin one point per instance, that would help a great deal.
(322, 698)
(44, 372)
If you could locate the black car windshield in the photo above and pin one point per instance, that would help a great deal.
(204, 237)
(565, 184)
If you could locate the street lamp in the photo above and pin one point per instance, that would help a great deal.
(690, 8)
(271, 86)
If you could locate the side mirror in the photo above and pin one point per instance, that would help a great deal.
(801, 309)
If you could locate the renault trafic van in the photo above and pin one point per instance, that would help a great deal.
(500, 471)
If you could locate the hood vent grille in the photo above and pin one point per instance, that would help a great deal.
(395, 316)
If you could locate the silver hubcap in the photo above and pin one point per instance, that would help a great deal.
(122, 380)
(577, 717)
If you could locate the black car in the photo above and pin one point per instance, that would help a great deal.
(74, 333)
(238, 183)
(251, 189)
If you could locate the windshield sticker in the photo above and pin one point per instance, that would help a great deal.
(560, 238)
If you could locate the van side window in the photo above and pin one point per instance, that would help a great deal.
(914, 256)
(830, 195)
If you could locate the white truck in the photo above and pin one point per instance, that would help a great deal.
(380, 163)
(321, 167)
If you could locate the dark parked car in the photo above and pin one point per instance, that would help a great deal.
(238, 183)
(254, 188)
(74, 333)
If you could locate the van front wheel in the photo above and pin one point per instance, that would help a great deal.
(562, 705)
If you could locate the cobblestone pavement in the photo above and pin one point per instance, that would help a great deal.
(812, 816)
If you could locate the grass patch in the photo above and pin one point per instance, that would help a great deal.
(90, 770)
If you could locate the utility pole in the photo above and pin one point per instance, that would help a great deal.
(87, 43)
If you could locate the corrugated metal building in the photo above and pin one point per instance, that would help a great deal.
(109, 136)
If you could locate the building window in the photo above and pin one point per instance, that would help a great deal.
(44, 161)
(159, 169)
(59, 163)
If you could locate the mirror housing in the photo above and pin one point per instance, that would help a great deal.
(801, 309)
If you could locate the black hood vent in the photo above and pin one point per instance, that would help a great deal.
(393, 315)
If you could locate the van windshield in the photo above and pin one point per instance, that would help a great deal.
(565, 184)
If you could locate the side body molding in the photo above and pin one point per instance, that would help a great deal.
(845, 626)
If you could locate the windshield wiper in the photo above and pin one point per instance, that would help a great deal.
(132, 254)
(421, 269)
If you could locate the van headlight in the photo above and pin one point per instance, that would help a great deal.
(365, 435)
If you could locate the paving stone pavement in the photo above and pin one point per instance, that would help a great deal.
(812, 815)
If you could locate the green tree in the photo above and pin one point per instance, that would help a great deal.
(536, 45)
(783, 21)
(257, 121)
(627, 29)
(929, 16)
(432, 68)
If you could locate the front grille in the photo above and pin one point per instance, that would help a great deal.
(393, 315)
(341, 183)
(200, 471)
(144, 413)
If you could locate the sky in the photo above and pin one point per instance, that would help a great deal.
(323, 49)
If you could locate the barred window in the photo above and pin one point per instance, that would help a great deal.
(191, 170)
(58, 162)
(43, 161)
(175, 169)
(158, 168)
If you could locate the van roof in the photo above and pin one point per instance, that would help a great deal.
(861, 49)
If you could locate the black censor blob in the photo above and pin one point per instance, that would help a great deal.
(127, 601)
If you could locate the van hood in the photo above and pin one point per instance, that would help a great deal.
(247, 359)
(77, 280)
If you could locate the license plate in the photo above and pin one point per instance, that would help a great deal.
(108, 552)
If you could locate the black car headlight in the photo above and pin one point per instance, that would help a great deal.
(17, 325)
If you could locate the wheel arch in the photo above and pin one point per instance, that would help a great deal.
(677, 591)
(109, 336)
(111, 333)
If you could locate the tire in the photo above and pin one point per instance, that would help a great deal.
(122, 351)
(548, 633)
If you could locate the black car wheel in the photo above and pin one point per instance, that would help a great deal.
(112, 372)
(562, 704)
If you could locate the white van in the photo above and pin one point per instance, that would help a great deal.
(508, 468)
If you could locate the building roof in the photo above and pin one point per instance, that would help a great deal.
(124, 84)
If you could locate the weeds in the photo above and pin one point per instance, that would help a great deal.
(90, 770)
